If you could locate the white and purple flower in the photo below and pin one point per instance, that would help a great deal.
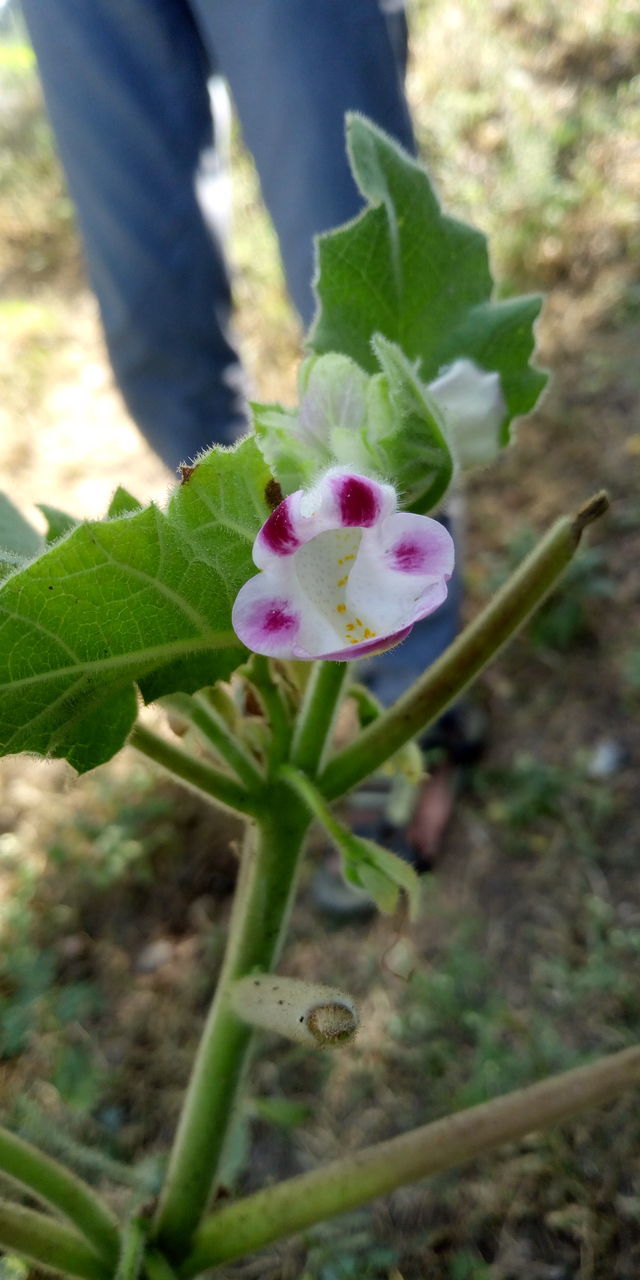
(343, 573)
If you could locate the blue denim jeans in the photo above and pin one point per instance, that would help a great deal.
(125, 83)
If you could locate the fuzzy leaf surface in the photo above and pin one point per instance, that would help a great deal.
(141, 600)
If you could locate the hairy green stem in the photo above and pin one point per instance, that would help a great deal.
(199, 711)
(314, 801)
(445, 680)
(345, 1184)
(317, 714)
(196, 773)
(258, 921)
(58, 1187)
(49, 1243)
(261, 677)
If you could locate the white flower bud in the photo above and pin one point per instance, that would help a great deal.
(474, 410)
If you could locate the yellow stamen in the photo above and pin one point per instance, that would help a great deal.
(359, 622)
(342, 581)
(351, 626)
(341, 608)
(369, 635)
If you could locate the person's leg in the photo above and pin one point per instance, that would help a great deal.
(125, 83)
(295, 67)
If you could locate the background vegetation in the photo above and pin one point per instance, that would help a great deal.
(114, 891)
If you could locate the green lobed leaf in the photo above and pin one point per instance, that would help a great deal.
(421, 279)
(144, 600)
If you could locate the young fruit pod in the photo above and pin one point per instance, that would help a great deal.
(305, 1012)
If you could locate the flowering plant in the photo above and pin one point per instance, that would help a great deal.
(338, 550)
(414, 373)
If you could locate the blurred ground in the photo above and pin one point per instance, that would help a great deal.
(114, 889)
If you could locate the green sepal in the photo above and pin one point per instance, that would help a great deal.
(410, 436)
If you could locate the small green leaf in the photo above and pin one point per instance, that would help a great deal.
(421, 279)
(380, 873)
(58, 522)
(142, 600)
(365, 864)
(122, 503)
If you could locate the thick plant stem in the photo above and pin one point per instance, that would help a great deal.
(258, 922)
(58, 1187)
(194, 772)
(317, 714)
(49, 1243)
(200, 712)
(445, 680)
(315, 802)
(293, 1205)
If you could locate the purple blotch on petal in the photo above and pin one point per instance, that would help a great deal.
(274, 617)
(358, 500)
(278, 532)
(410, 556)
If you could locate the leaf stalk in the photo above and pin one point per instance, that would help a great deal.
(51, 1182)
(48, 1243)
(196, 773)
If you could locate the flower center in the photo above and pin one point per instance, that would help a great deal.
(323, 567)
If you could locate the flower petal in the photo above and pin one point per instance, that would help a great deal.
(361, 502)
(367, 648)
(266, 619)
(272, 616)
(400, 573)
(344, 574)
(418, 545)
(340, 499)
